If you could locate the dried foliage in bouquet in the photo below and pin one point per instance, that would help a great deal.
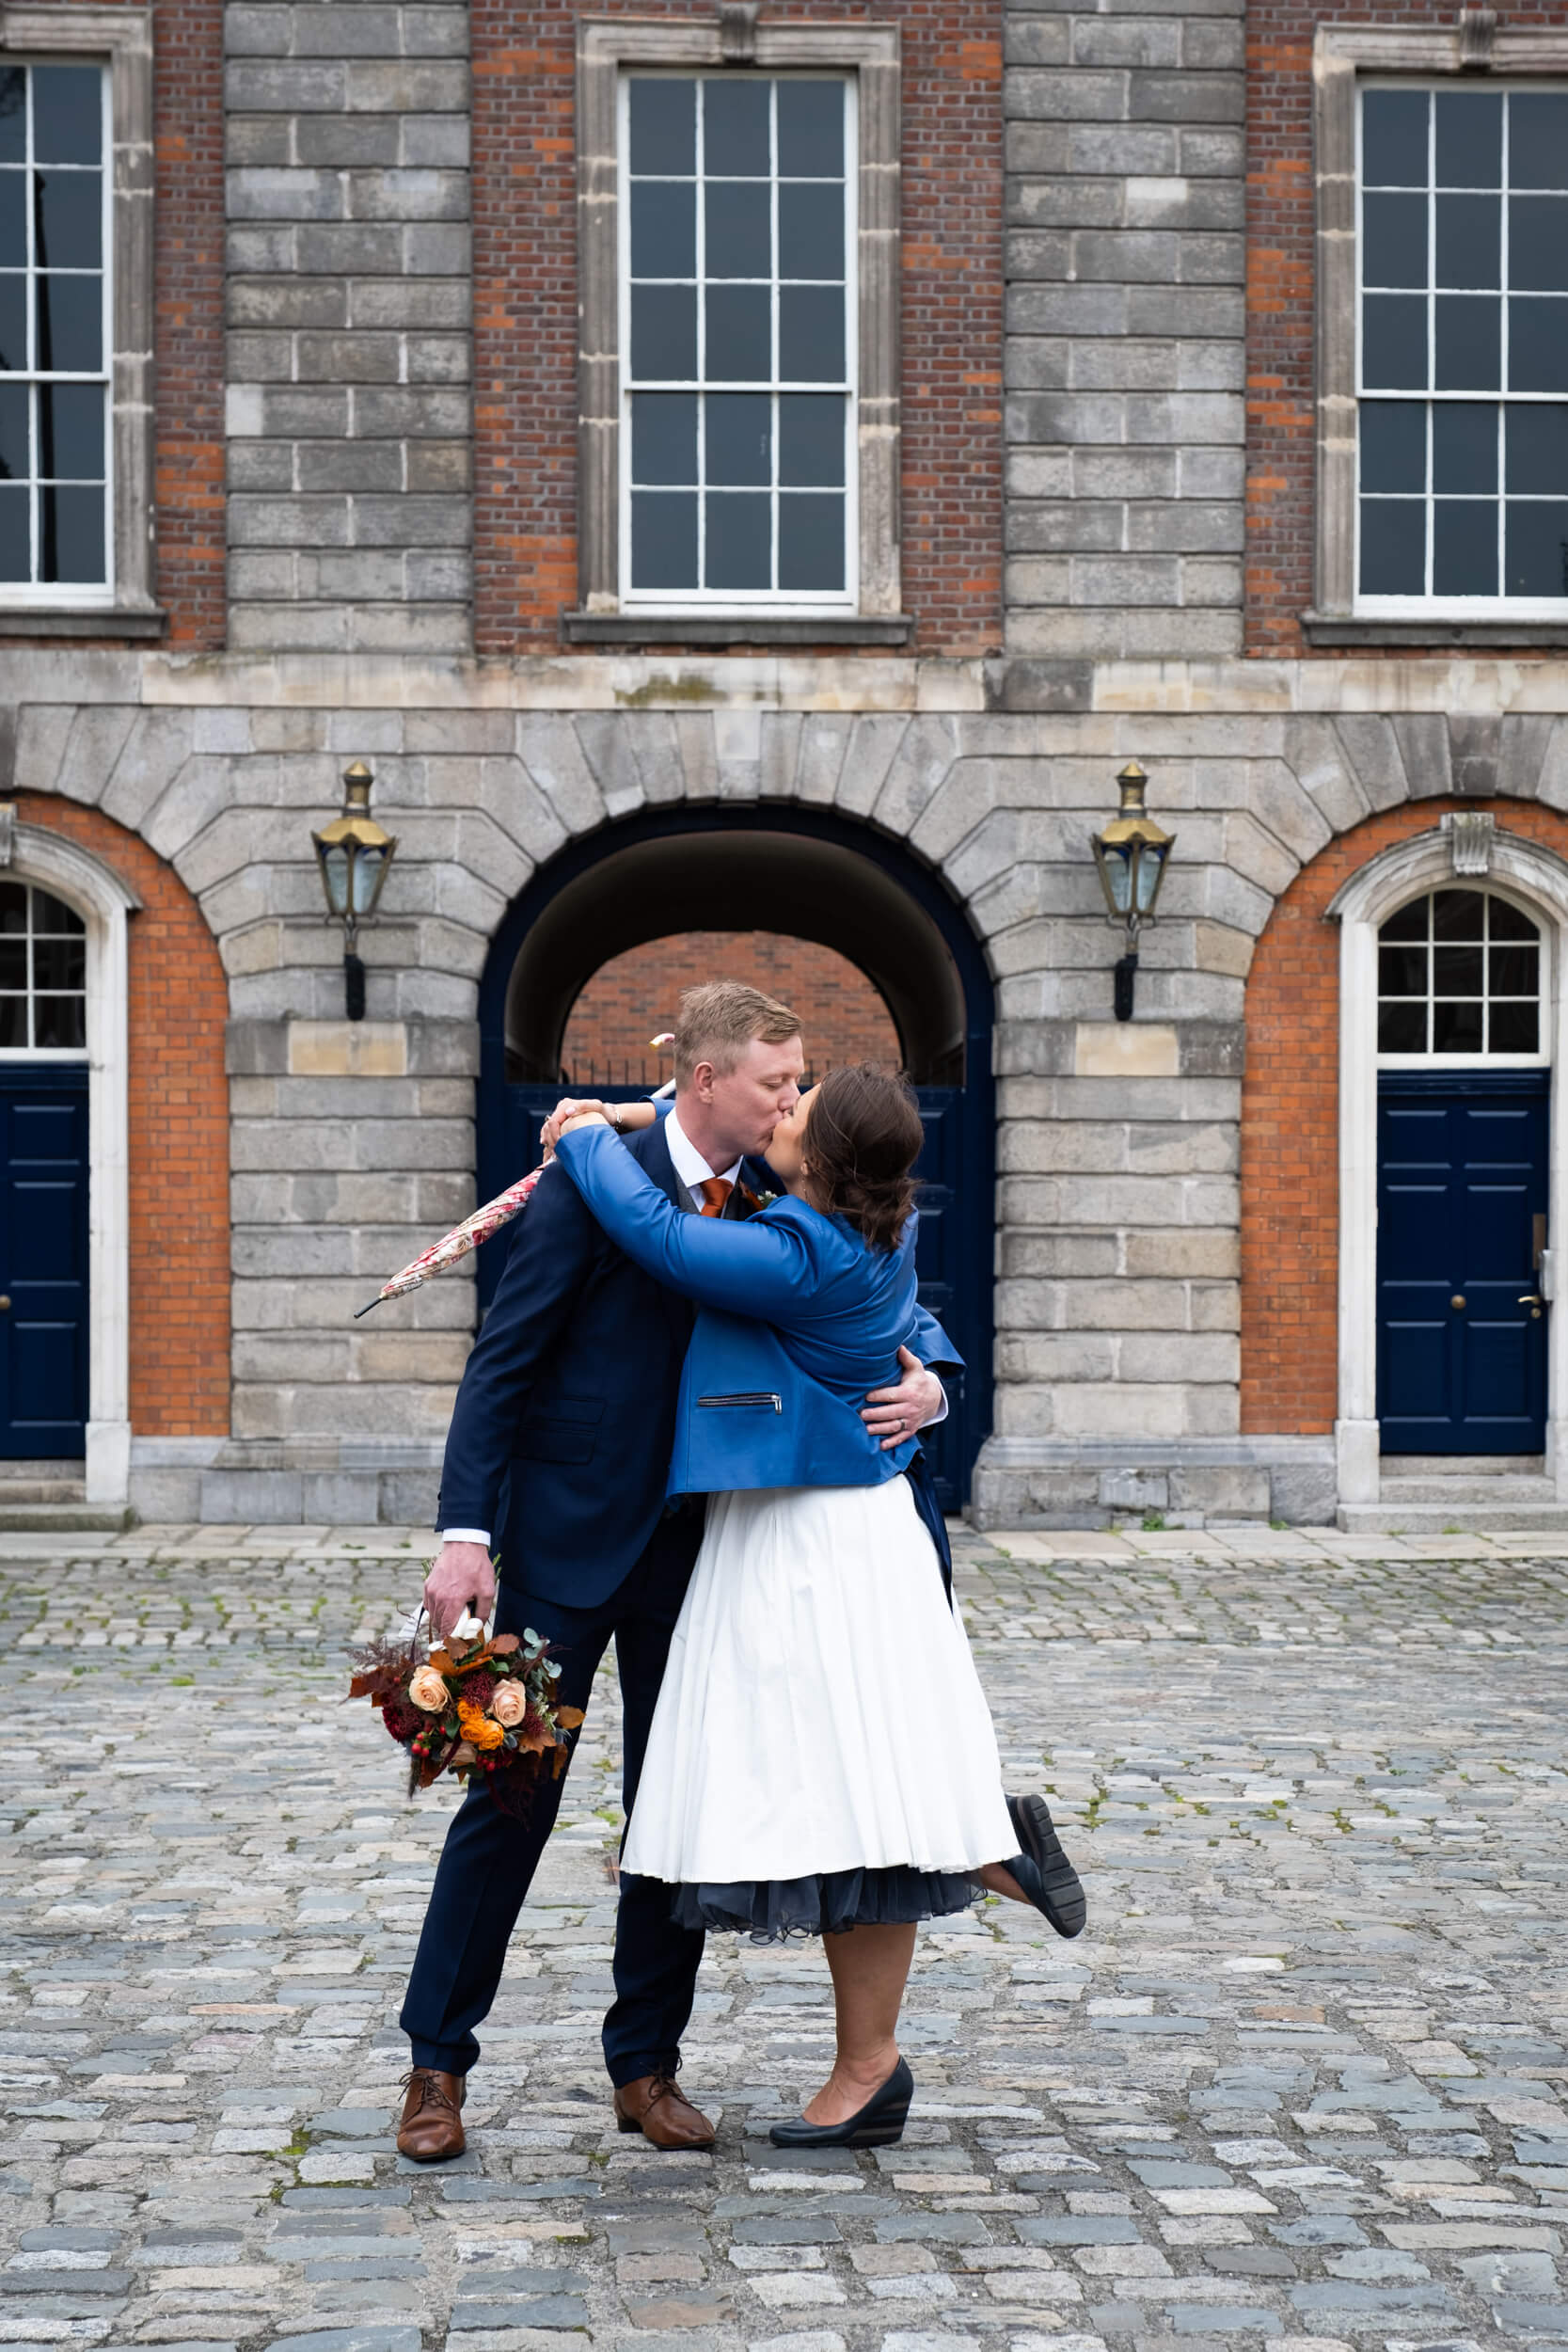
(489, 1714)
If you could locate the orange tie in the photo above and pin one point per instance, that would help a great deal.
(714, 1190)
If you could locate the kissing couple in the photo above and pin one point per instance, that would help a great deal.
(693, 1417)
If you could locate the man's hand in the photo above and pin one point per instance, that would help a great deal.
(894, 1414)
(569, 1107)
(460, 1578)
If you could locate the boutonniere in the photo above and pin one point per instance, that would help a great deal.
(756, 1201)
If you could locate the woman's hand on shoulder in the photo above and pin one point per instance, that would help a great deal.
(625, 1118)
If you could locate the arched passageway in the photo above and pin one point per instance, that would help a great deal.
(811, 877)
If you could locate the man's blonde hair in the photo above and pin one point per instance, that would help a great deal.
(718, 1021)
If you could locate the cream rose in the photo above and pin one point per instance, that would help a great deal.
(509, 1706)
(428, 1691)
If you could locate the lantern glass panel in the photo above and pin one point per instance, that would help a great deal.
(335, 873)
(368, 865)
(1151, 865)
(1115, 866)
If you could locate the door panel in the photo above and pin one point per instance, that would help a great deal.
(1462, 1176)
(43, 1262)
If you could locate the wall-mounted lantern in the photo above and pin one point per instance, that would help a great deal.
(353, 856)
(1130, 856)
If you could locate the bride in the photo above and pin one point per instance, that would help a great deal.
(822, 1758)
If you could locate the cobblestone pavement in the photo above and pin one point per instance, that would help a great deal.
(1302, 2080)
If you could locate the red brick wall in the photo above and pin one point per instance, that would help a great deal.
(1281, 382)
(1290, 1127)
(179, 1137)
(634, 996)
(525, 304)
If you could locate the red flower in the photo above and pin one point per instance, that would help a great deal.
(477, 1690)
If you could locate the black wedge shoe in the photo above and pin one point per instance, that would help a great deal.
(1042, 1869)
(879, 2123)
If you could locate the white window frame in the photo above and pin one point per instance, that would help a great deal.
(1439, 1063)
(44, 1052)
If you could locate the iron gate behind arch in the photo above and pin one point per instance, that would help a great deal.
(957, 1166)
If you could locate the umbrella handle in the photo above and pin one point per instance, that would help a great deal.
(365, 1311)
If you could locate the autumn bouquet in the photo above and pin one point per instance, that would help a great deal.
(488, 1713)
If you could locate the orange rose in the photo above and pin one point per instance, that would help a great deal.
(509, 1706)
(477, 1727)
(429, 1692)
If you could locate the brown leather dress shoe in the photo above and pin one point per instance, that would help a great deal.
(432, 2126)
(661, 2112)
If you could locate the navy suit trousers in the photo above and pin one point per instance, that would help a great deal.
(489, 1859)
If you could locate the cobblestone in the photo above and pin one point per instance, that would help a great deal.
(1301, 2083)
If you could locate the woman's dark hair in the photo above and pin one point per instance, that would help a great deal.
(862, 1136)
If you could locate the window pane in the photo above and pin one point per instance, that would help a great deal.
(810, 439)
(1402, 1029)
(1515, 1028)
(1401, 970)
(811, 230)
(1394, 342)
(1456, 971)
(1411, 922)
(1394, 138)
(664, 228)
(1464, 548)
(13, 220)
(738, 554)
(1507, 922)
(811, 130)
(739, 438)
(811, 334)
(1469, 241)
(16, 559)
(735, 141)
(1538, 139)
(13, 906)
(664, 332)
(1394, 241)
(739, 230)
(53, 914)
(1464, 447)
(1514, 971)
(71, 535)
(59, 1021)
(811, 542)
(1537, 344)
(68, 220)
(13, 321)
(1536, 254)
(13, 433)
(663, 128)
(69, 325)
(1393, 443)
(14, 114)
(1535, 560)
(66, 114)
(1393, 547)
(70, 432)
(1537, 449)
(1470, 140)
(663, 539)
(664, 437)
(739, 334)
(13, 964)
(1468, 343)
(13, 1021)
(1458, 913)
(63, 962)
(1456, 1029)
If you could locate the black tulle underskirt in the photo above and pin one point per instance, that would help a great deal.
(776, 1910)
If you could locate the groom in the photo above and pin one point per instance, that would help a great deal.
(561, 1439)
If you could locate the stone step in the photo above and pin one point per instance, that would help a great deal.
(1485, 1517)
(65, 1518)
(1472, 1493)
(1464, 1465)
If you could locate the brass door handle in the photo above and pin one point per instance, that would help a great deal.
(1458, 1299)
(5, 1303)
(1530, 1298)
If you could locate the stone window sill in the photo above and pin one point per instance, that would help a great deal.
(713, 628)
(1325, 629)
(37, 620)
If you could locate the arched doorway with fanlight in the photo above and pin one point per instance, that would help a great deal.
(583, 971)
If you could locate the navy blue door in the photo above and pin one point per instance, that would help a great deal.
(43, 1260)
(1462, 1179)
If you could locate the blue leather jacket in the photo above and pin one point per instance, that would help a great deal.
(798, 1318)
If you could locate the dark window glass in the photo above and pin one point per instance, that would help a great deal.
(1394, 138)
(1469, 129)
(811, 230)
(1538, 244)
(71, 535)
(1458, 914)
(811, 541)
(1402, 1029)
(1393, 437)
(663, 126)
(811, 130)
(1513, 971)
(1468, 343)
(1535, 553)
(1411, 922)
(13, 906)
(1515, 1028)
(59, 1021)
(664, 228)
(13, 220)
(1464, 548)
(811, 440)
(738, 334)
(1456, 971)
(1538, 139)
(16, 554)
(736, 141)
(1394, 241)
(811, 334)
(1464, 448)
(1393, 547)
(739, 438)
(70, 432)
(66, 114)
(13, 1021)
(739, 230)
(13, 964)
(68, 220)
(1394, 342)
(69, 325)
(13, 321)
(738, 553)
(1510, 923)
(60, 964)
(14, 465)
(14, 114)
(664, 437)
(1456, 1029)
(664, 332)
(1401, 970)
(1538, 449)
(1469, 241)
(1537, 344)
(663, 539)
(53, 914)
